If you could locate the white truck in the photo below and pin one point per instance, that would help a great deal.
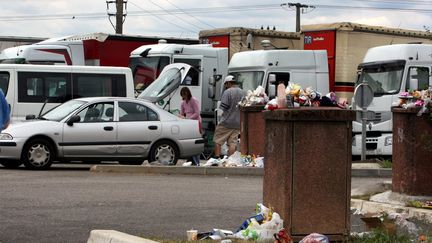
(203, 65)
(389, 70)
(308, 68)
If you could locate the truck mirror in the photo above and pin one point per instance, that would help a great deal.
(271, 91)
(413, 84)
(272, 79)
(211, 91)
(212, 81)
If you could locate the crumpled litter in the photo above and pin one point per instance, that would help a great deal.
(264, 225)
(256, 97)
(237, 160)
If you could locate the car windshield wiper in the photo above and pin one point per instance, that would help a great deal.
(42, 118)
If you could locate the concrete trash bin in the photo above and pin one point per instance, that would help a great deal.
(307, 170)
(252, 130)
(412, 148)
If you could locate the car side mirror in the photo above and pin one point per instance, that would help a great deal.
(30, 117)
(73, 119)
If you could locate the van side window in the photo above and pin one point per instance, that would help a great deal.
(4, 82)
(135, 112)
(90, 85)
(35, 87)
(281, 77)
(192, 77)
(422, 76)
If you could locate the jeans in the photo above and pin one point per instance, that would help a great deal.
(195, 160)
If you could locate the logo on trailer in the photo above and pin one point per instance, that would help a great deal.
(308, 39)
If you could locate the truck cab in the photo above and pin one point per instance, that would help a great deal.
(389, 70)
(304, 67)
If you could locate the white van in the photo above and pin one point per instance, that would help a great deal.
(28, 87)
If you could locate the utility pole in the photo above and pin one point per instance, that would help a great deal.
(119, 14)
(299, 7)
(119, 17)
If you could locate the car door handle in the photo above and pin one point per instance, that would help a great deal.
(153, 127)
(108, 128)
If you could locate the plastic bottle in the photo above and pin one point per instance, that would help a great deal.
(281, 97)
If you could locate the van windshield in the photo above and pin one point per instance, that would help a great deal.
(60, 112)
(249, 80)
(146, 69)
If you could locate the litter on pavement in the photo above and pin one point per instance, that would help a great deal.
(237, 160)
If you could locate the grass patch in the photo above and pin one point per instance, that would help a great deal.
(385, 163)
(380, 236)
(362, 197)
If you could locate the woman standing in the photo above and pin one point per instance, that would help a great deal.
(190, 110)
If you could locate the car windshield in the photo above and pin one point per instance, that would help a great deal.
(63, 110)
(384, 78)
(249, 80)
(166, 81)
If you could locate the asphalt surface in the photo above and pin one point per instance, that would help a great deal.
(65, 203)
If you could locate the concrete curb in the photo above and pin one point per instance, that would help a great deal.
(179, 170)
(381, 172)
(225, 171)
(113, 236)
(368, 207)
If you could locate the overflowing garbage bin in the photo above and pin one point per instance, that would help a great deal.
(307, 171)
(252, 130)
(412, 150)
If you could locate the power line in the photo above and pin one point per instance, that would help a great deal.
(196, 26)
(190, 15)
(237, 8)
(154, 15)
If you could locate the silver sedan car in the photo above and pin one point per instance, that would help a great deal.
(100, 129)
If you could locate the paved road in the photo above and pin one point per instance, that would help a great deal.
(65, 203)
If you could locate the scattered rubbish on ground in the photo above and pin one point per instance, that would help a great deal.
(237, 160)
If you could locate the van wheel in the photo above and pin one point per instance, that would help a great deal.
(38, 154)
(164, 152)
(11, 164)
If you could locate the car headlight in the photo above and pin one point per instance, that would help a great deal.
(5, 136)
(388, 141)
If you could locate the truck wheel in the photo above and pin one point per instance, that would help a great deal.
(165, 152)
(11, 164)
(38, 154)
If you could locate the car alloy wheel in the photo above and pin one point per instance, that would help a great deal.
(165, 152)
(38, 154)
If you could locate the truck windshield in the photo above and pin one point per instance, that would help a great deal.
(165, 83)
(146, 69)
(384, 78)
(249, 80)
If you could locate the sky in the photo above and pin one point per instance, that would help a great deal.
(185, 18)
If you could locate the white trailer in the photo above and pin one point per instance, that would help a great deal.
(389, 70)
